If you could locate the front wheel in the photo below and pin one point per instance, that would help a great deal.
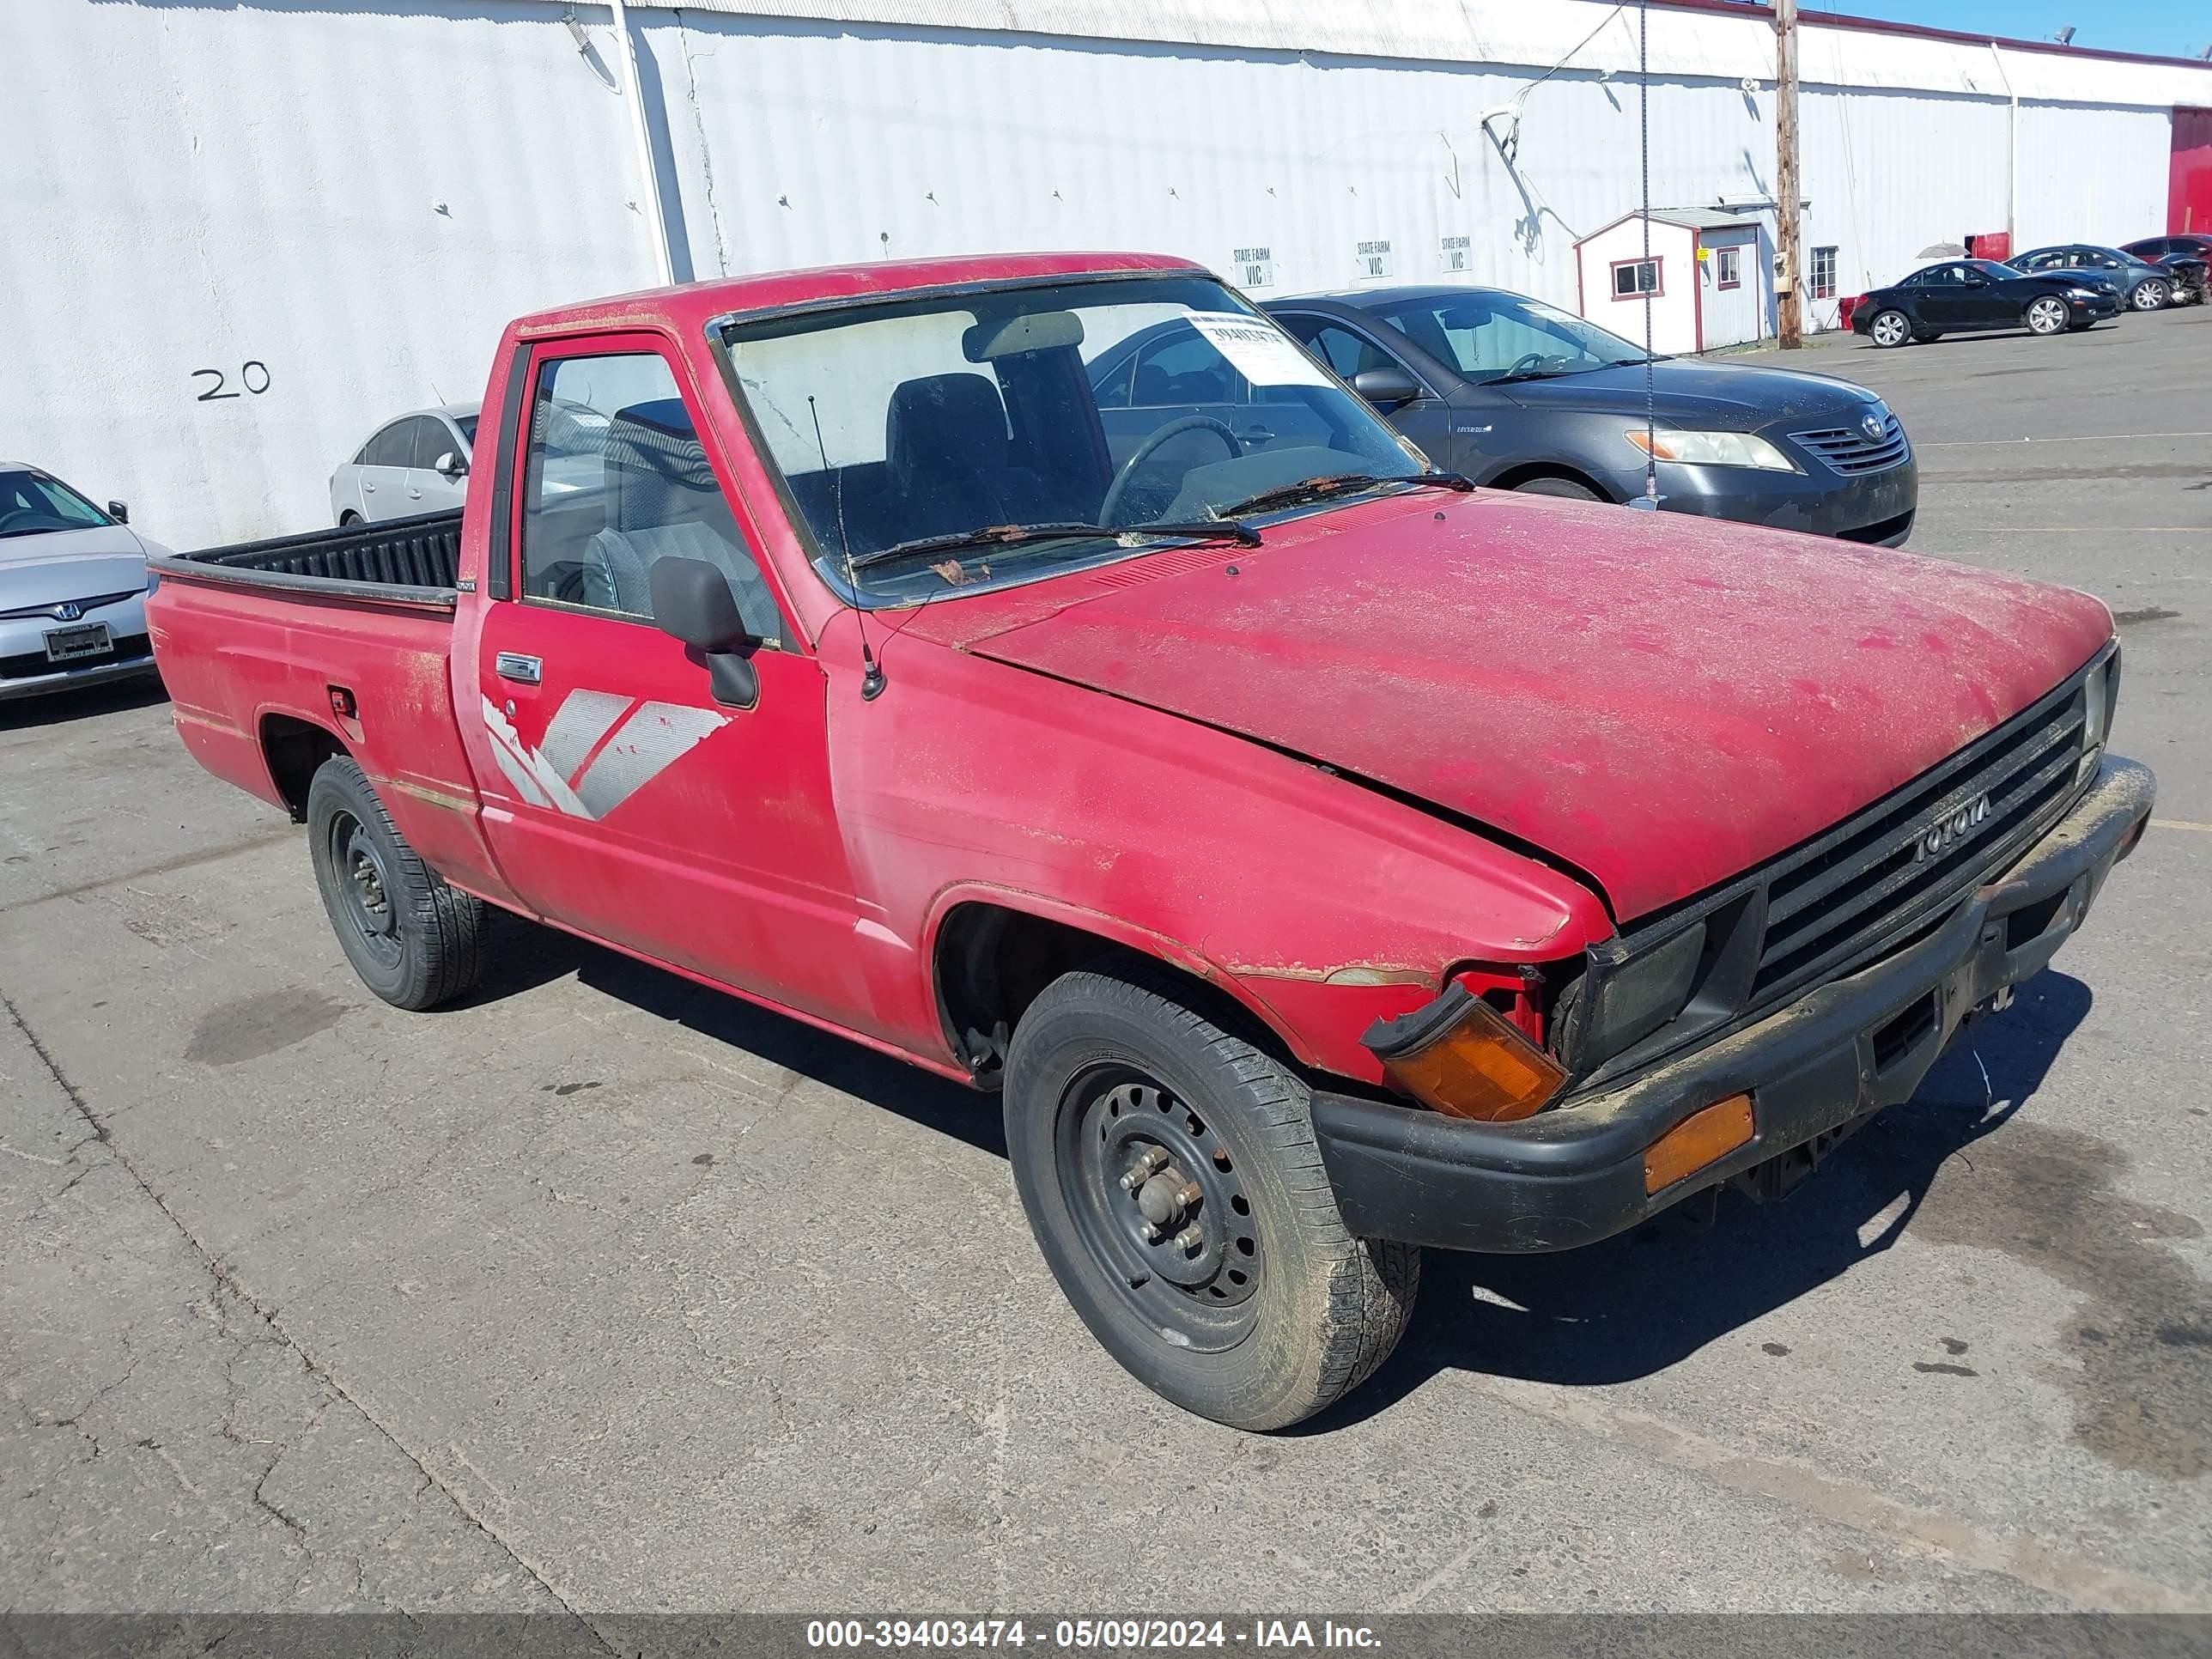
(414, 940)
(2152, 295)
(1890, 329)
(1171, 1174)
(2047, 316)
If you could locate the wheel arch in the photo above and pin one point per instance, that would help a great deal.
(990, 951)
(293, 750)
(1529, 472)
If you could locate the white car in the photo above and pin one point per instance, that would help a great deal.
(72, 587)
(416, 464)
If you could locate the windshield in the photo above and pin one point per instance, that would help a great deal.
(32, 504)
(1086, 409)
(1493, 337)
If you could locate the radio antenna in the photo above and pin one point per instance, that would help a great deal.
(872, 676)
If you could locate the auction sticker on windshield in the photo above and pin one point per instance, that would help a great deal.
(1259, 352)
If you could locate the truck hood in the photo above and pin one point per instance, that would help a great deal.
(70, 564)
(1658, 701)
(1722, 396)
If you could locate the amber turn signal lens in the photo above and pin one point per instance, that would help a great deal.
(1697, 1141)
(1479, 1065)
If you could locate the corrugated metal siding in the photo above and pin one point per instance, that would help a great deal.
(358, 196)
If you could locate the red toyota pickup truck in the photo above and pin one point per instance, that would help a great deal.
(1321, 859)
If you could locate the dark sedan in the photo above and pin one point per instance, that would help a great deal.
(1518, 395)
(2187, 255)
(2144, 286)
(1960, 296)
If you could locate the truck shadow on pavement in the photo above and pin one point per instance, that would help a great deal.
(1641, 1301)
(839, 1063)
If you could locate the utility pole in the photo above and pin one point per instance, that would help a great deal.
(1788, 318)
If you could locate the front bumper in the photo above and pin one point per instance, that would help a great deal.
(27, 671)
(1845, 1049)
(1873, 507)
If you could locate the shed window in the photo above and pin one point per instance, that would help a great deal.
(1823, 273)
(1632, 279)
(1729, 263)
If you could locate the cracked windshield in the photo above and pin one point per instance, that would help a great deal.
(974, 440)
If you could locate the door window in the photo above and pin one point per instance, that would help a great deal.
(1347, 353)
(1185, 369)
(393, 447)
(433, 438)
(1729, 263)
(617, 480)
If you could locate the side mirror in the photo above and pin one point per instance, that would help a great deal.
(1385, 388)
(692, 602)
(119, 511)
(451, 466)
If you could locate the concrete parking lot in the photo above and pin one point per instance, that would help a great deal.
(602, 1293)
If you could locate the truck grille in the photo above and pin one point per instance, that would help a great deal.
(1851, 452)
(1853, 886)
(1867, 888)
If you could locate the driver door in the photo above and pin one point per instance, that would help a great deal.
(620, 798)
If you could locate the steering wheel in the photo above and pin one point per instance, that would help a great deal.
(1143, 452)
(14, 514)
(1528, 360)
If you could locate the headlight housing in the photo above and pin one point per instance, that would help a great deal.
(2100, 692)
(1710, 449)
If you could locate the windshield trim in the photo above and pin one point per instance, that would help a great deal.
(826, 561)
(717, 325)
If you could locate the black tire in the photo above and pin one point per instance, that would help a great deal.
(1279, 1310)
(1889, 330)
(2047, 315)
(1566, 488)
(349, 518)
(414, 940)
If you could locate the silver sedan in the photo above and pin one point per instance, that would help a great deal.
(72, 587)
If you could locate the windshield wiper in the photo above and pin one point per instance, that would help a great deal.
(1338, 484)
(1015, 535)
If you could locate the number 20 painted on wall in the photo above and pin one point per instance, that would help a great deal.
(248, 371)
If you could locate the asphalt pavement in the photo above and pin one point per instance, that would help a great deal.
(602, 1294)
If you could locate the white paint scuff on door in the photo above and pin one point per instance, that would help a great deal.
(581, 770)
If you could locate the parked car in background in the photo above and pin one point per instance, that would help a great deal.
(1963, 296)
(2142, 286)
(72, 587)
(416, 464)
(2188, 256)
(1520, 395)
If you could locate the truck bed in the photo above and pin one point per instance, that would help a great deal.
(278, 653)
(412, 562)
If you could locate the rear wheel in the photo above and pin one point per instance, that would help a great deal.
(1565, 488)
(1890, 329)
(2152, 295)
(414, 940)
(1171, 1174)
(349, 518)
(2047, 315)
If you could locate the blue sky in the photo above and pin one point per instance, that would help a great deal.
(2176, 29)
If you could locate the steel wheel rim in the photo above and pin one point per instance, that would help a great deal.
(2046, 316)
(1888, 330)
(365, 886)
(1126, 1143)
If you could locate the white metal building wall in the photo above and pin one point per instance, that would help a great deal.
(341, 202)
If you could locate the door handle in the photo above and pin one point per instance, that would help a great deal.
(1259, 434)
(514, 665)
